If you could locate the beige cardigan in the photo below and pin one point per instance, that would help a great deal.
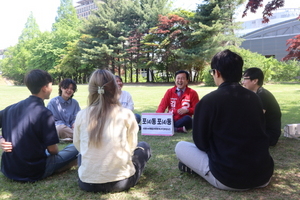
(112, 160)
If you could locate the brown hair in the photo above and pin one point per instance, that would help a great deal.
(103, 97)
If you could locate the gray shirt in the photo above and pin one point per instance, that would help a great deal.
(64, 112)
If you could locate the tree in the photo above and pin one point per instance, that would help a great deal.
(104, 34)
(17, 58)
(214, 27)
(64, 30)
(170, 37)
(293, 49)
(31, 29)
(271, 6)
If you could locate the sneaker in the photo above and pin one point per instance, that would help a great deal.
(182, 167)
(181, 130)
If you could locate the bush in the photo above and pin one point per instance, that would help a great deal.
(208, 79)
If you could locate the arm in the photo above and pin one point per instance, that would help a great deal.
(201, 126)
(53, 108)
(130, 102)
(164, 103)
(76, 131)
(5, 146)
(132, 131)
(194, 101)
(53, 149)
(75, 111)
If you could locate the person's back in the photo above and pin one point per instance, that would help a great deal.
(117, 145)
(272, 115)
(236, 143)
(230, 147)
(105, 134)
(21, 124)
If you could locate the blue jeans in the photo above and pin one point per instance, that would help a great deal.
(63, 158)
(185, 121)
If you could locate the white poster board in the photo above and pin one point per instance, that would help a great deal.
(157, 124)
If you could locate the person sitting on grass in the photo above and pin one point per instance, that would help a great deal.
(29, 143)
(105, 134)
(64, 109)
(231, 147)
(126, 99)
(181, 101)
(253, 80)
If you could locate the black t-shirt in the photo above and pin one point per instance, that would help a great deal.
(30, 127)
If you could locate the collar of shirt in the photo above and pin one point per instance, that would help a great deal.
(177, 90)
(63, 101)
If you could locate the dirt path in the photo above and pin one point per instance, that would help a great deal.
(4, 81)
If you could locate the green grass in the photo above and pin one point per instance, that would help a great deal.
(161, 178)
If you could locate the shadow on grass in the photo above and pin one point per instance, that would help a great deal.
(163, 180)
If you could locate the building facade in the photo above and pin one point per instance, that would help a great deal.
(84, 8)
(270, 39)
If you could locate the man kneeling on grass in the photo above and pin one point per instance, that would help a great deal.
(29, 142)
(231, 147)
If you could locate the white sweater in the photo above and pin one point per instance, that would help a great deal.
(126, 100)
(112, 160)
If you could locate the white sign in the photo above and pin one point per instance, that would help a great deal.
(157, 124)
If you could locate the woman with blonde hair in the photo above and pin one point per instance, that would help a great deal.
(105, 134)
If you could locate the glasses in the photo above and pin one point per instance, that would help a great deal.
(212, 72)
(246, 78)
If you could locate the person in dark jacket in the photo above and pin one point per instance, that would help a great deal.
(231, 147)
(253, 80)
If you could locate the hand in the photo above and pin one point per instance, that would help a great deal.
(5, 146)
(182, 111)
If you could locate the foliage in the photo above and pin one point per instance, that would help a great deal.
(64, 31)
(293, 48)
(18, 58)
(169, 37)
(273, 69)
(208, 79)
(253, 5)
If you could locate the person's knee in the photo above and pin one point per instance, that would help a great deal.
(179, 146)
(144, 145)
(138, 118)
(143, 150)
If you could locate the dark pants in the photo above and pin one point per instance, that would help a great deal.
(139, 159)
(185, 121)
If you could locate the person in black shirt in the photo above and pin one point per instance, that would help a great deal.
(253, 80)
(29, 135)
(231, 147)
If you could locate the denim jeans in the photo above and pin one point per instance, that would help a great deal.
(63, 158)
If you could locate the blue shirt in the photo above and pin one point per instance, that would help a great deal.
(64, 112)
(30, 127)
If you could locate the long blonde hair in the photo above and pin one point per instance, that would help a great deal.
(103, 97)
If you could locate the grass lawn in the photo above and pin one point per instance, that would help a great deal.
(161, 178)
